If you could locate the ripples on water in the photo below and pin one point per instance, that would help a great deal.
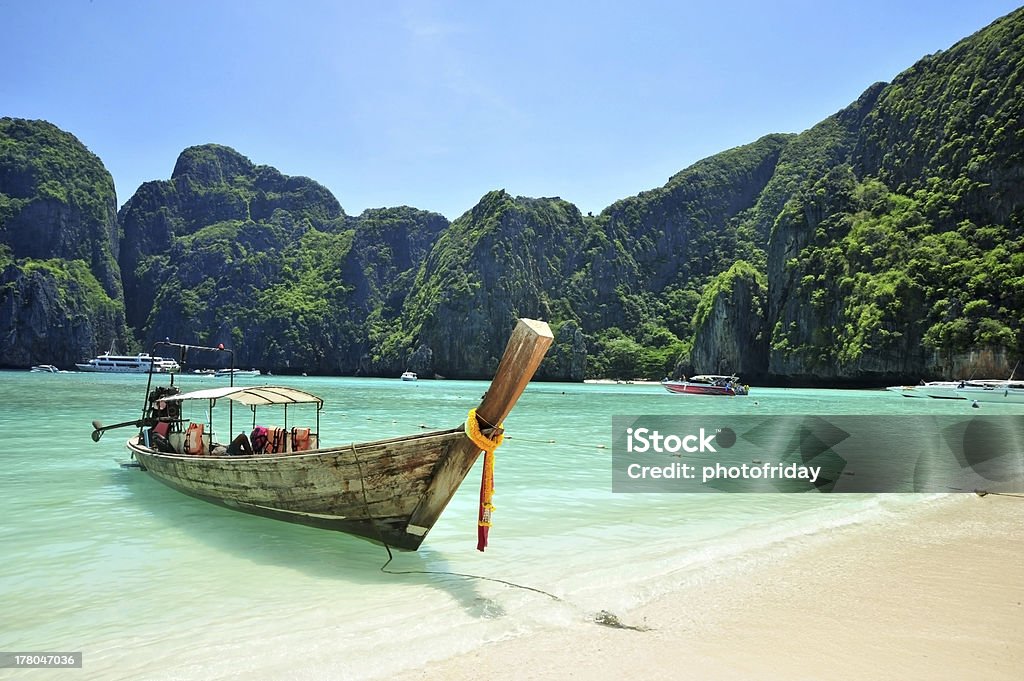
(150, 583)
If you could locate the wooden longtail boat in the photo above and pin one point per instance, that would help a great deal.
(391, 490)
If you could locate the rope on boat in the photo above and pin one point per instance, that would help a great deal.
(517, 438)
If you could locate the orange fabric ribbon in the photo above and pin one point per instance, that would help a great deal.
(487, 446)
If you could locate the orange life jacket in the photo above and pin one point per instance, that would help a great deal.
(194, 439)
(300, 439)
(278, 440)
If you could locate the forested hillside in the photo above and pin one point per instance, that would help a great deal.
(60, 286)
(884, 244)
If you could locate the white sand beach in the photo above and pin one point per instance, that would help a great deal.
(936, 596)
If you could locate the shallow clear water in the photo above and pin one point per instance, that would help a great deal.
(149, 583)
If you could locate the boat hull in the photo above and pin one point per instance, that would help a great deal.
(683, 388)
(391, 491)
(994, 393)
(120, 370)
(368, 489)
(986, 390)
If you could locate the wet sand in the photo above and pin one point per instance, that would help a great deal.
(939, 595)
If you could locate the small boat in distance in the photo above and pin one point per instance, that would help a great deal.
(1007, 392)
(939, 390)
(409, 376)
(141, 363)
(391, 490)
(44, 369)
(236, 373)
(986, 388)
(707, 384)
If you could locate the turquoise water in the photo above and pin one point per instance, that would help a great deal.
(149, 583)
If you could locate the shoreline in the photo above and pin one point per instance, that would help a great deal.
(934, 594)
(614, 381)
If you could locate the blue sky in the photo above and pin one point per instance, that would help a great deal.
(432, 104)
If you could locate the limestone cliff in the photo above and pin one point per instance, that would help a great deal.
(899, 257)
(61, 295)
(227, 251)
(731, 325)
(506, 258)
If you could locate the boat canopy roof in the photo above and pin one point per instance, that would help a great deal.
(251, 395)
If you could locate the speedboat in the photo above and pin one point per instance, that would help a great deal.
(707, 384)
(226, 373)
(1007, 392)
(409, 376)
(961, 390)
(939, 390)
(44, 369)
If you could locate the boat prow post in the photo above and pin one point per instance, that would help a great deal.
(523, 354)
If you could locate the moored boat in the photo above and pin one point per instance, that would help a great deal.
(940, 390)
(235, 373)
(707, 384)
(954, 390)
(391, 490)
(409, 376)
(1007, 392)
(141, 363)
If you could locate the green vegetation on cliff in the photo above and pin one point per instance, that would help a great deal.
(61, 295)
(880, 244)
(228, 251)
(57, 199)
(884, 278)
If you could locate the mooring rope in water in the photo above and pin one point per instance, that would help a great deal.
(603, 618)
(446, 573)
(443, 573)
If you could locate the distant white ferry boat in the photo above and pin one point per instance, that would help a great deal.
(129, 364)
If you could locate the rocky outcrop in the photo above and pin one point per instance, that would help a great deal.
(507, 258)
(921, 175)
(57, 200)
(54, 313)
(61, 298)
(216, 189)
(233, 252)
(676, 236)
(731, 325)
(566, 360)
(511, 257)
